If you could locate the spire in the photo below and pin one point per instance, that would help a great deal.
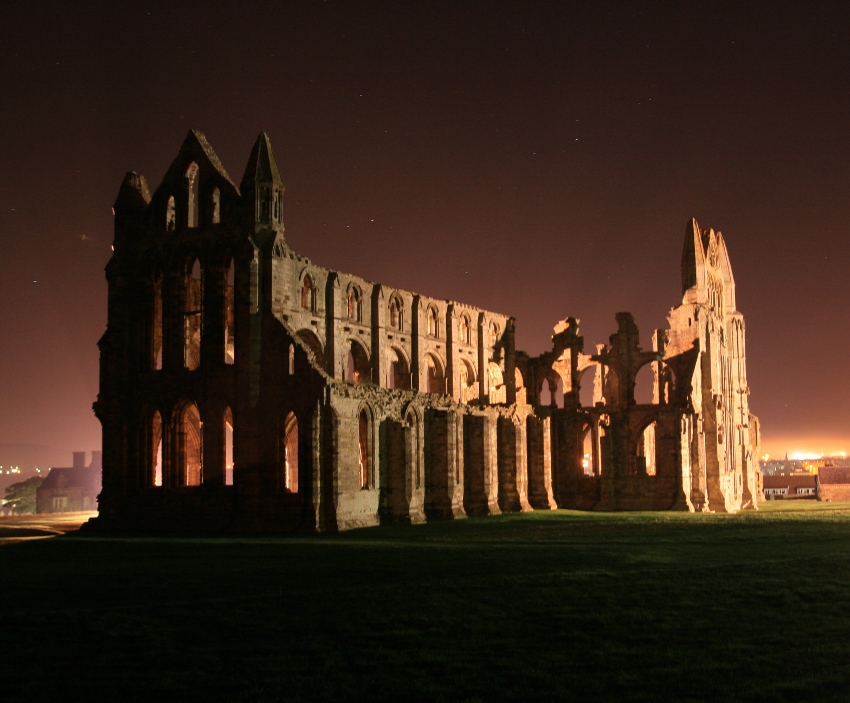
(134, 194)
(693, 256)
(262, 167)
(262, 187)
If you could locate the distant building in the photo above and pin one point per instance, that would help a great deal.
(71, 489)
(793, 486)
(833, 483)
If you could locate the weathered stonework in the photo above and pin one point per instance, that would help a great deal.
(245, 388)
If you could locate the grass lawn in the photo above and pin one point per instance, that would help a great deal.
(541, 607)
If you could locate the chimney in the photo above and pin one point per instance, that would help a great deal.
(79, 460)
(96, 460)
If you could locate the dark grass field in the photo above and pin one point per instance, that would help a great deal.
(541, 607)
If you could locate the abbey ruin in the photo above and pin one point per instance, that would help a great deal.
(245, 388)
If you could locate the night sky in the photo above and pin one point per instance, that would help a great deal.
(535, 159)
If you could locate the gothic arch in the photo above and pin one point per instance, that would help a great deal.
(187, 442)
(467, 386)
(357, 367)
(366, 444)
(288, 452)
(354, 303)
(395, 312)
(398, 369)
(435, 375)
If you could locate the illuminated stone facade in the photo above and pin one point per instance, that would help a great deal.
(245, 388)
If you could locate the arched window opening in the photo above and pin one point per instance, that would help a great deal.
(399, 371)
(416, 466)
(215, 215)
(289, 453)
(171, 215)
(497, 385)
(315, 345)
(364, 432)
(433, 322)
(228, 447)
(436, 380)
(646, 450)
(192, 182)
(157, 325)
(191, 429)
(355, 305)
(357, 364)
(396, 314)
(308, 294)
(645, 384)
(467, 388)
(278, 206)
(588, 463)
(229, 315)
(291, 359)
(464, 330)
(193, 317)
(156, 448)
(264, 204)
(587, 384)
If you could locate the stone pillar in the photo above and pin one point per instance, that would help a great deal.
(539, 463)
(441, 466)
(394, 502)
(481, 489)
(513, 477)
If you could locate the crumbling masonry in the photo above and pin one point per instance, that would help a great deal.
(245, 388)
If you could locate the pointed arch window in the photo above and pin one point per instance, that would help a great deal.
(399, 371)
(155, 449)
(355, 305)
(357, 364)
(435, 377)
(433, 322)
(193, 316)
(278, 205)
(170, 215)
(396, 314)
(229, 315)
(192, 183)
(216, 206)
(190, 446)
(228, 447)
(364, 433)
(464, 329)
(289, 453)
(264, 204)
(308, 293)
(157, 324)
(413, 421)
